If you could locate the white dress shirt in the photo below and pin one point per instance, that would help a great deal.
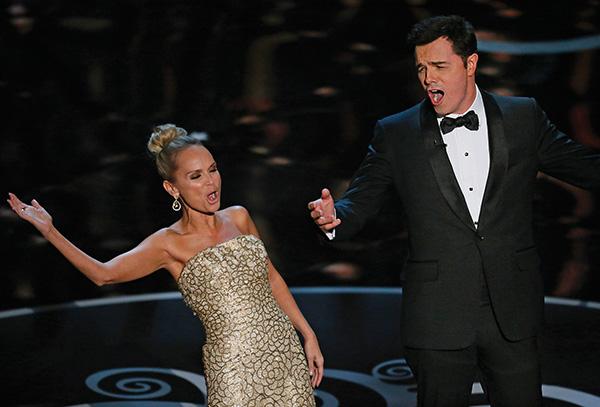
(469, 155)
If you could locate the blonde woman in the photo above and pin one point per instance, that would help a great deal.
(252, 355)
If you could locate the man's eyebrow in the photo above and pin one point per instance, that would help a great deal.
(435, 63)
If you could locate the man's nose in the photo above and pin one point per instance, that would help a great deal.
(429, 78)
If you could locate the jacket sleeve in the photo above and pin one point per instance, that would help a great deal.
(562, 157)
(368, 187)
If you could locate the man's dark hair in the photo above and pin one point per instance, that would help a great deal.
(458, 30)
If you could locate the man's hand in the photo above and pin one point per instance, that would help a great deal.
(322, 211)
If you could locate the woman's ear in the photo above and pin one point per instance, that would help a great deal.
(171, 189)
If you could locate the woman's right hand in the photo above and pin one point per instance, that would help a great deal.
(34, 213)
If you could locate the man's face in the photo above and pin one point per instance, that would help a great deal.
(450, 85)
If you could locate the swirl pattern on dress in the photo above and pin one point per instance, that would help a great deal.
(252, 356)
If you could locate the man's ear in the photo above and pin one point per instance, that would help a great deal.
(472, 64)
(171, 189)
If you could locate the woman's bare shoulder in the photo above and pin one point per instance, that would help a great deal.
(163, 238)
(235, 211)
(168, 242)
(239, 216)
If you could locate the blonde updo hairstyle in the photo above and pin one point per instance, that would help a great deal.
(165, 142)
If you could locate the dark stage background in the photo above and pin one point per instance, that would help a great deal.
(288, 92)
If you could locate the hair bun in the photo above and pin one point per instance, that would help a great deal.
(162, 135)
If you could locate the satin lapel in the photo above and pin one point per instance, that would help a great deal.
(440, 164)
(498, 159)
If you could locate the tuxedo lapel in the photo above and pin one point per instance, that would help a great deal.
(498, 158)
(440, 164)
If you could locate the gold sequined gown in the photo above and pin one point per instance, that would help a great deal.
(252, 355)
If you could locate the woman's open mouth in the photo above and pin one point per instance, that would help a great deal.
(213, 197)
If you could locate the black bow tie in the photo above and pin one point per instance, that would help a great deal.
(469, 120)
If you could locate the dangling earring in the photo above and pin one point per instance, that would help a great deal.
(176, 205)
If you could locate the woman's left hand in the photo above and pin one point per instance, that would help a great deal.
(314, 359)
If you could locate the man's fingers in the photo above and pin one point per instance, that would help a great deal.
(324, 220)
(316, 214)
(331, 225)
(314, 205)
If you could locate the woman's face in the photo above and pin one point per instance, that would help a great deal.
(197, 179)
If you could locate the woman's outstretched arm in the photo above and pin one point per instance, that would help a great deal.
(144, 259)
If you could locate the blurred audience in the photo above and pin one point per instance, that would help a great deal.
(296, 86)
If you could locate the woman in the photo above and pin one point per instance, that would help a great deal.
(252, 355)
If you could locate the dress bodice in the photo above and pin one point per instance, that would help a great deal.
(227, 286)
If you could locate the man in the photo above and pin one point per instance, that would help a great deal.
(464, 164)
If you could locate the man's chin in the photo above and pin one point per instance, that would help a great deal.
(439, 111)
(438, 108)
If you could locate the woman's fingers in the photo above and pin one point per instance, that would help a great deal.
(318, 375)
(315, 363)
(32, 213)
(15, 203)
(311, 370)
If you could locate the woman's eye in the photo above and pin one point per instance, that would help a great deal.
(195, 176)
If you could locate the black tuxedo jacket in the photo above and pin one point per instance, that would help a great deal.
(448, 256)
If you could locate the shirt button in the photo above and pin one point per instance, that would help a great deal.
(466, 154)
(470, 188)
(481, 237)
